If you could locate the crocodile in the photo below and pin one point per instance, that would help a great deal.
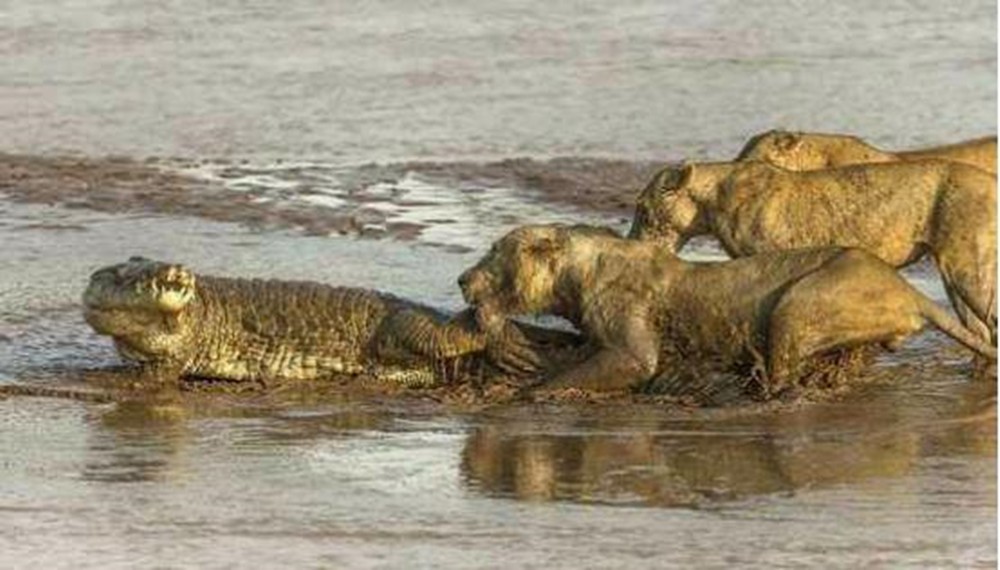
(175, 324)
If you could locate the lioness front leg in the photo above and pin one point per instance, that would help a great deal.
(607, 370)
(973, 295)
(968, 315)
(964, 249)
(630, 358)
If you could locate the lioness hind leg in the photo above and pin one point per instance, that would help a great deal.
(851, 301)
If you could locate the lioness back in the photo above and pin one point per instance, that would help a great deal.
(813, 151)
(888, 209)
(981, 153)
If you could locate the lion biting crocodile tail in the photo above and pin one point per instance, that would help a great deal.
(176, 323)
(640, 304)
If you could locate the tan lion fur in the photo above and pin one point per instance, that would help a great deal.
(638, 303)
(815, 151)
(898, 211)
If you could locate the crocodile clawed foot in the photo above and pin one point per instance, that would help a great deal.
(517, 359)
(512, 351)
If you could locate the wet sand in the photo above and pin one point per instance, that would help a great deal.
(318, 199)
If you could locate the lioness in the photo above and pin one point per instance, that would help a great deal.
(638, 302)
(897, 211)
(814, 151)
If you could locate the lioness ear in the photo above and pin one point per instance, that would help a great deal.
(544, 247)
(685, 175)
(676, 177)
(788, 141)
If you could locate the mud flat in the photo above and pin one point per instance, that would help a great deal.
(398, 200)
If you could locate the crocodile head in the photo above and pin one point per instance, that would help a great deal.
(142, 304)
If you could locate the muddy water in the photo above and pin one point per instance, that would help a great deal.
(898, 472)
(901, 470)
(397, 80)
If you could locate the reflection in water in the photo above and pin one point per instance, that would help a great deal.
(879, 432)
(282, 479)
(617, 454)
(146, 438)
(137, 441)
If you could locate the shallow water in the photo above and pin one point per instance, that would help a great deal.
(398, 80)
(898, 472)
(901, 470)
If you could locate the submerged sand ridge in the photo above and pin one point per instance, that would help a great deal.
(442, 203)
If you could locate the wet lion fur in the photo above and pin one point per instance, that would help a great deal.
(815, 151)
(899, 211)
(638, 303)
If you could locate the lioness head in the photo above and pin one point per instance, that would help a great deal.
(140, 303)
(811, 151)
(669, 209)
(525, 271)
(791, 151)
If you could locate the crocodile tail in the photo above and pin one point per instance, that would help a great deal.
(7, 390)
(953, 328)
(420, 333)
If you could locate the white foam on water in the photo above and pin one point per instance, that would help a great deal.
(466, 216)
(280, 177)
(324, 200)
(443, 213)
